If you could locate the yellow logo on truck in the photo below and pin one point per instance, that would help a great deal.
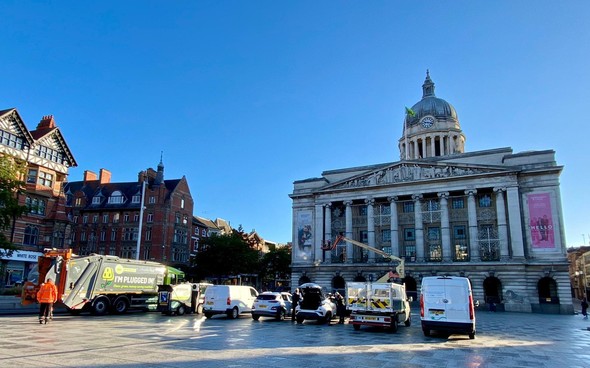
(108, 274)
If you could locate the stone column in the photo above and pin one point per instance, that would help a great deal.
(348, 215)
(472, 216)
(444, 226)
(432, 145)
(370, 202)
(395, 248)
(318, 233)
(418, 227)
(441, 144)
(328, 230)
(502, 229)
(514, 222)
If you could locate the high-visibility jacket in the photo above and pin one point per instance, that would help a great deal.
(47, 293)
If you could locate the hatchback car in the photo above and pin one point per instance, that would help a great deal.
(314, 305)
(272, 304)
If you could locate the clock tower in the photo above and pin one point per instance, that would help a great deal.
(431, 128)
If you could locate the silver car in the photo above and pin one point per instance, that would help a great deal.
(272, 304)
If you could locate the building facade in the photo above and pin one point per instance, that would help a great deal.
(493, 216)
(48, 158)
(107, 217)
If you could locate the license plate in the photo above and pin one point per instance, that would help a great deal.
(209, 303)
(371, 318)
(436, 312)
(261, 306)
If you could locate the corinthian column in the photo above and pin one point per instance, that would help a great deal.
(502, 228)
(444, 226)
(472, 216)
(418, 227)
(328, 230)
(394, 226)
(371, 227)
(348, 215)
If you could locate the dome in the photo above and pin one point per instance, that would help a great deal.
(431, 105)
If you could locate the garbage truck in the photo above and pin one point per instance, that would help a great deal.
(100, 283)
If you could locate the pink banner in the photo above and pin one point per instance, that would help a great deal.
(541, 221)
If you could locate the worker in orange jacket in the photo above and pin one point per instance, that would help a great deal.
(46, 296)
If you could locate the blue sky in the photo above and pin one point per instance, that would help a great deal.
(246, 97)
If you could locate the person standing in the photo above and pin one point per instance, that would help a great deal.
(295, 300)
(585, 308)
(340, 308)
(46, 296)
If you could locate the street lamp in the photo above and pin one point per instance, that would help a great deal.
(581, 284)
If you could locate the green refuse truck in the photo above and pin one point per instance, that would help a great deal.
(100, 283)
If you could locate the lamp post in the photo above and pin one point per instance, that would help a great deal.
(580, 284)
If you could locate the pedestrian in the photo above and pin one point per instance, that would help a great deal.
(46, 296)
(340, 308)
(585, 308)
(295, 301)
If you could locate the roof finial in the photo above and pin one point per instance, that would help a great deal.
(428, 86)
(427, 73)
(161, 156)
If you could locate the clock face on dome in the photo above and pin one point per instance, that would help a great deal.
(427, 121)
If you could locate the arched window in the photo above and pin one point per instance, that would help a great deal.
(492, 289)
(116, 197)
(304, 279)
(547, 291)
(338, 284)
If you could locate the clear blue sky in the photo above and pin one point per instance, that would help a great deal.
(245, 97)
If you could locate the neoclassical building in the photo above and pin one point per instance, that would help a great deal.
(493, 216)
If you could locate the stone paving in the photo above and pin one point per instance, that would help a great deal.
(153, 340)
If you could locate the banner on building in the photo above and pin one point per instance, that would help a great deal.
(541, 228)
(304, 241)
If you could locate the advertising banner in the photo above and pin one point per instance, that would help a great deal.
(541, 221)
(304, 241)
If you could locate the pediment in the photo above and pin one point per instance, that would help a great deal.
(55, 140)
(408, 172)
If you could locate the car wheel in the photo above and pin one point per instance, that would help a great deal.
(100, 306)
(233, 314)
(255, 317)
(408, 322)
(356, 327)
(281, 315)
(426, 332)
(327, 318)
(472, 335)
(300, 320)
(180, 311)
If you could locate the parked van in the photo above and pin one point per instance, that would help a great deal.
(446, 304)
(229, 299)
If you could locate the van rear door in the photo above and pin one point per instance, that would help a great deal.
(457, 301)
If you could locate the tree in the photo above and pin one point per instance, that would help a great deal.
(275, 265)
(11, 187)
(225, 255)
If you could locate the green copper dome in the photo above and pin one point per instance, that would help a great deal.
(431, 105)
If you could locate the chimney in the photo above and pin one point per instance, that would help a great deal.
(89, 176)
(105, 176)
(46, 123)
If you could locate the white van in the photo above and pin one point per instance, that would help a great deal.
(446, 304)
(229, 299)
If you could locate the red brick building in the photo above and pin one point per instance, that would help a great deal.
(106, 216)
(48, 159)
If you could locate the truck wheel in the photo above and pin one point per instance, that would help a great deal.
(281, 315)
(180, 310)
(200, 309)
(234, 313)
(356, 327)
(120, 305)
(408, 321)
(208, 315)
(100, 306)
(394, 324)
